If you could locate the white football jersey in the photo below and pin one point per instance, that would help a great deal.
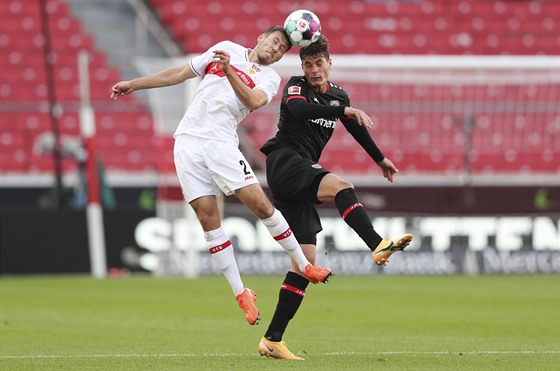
(215, 111)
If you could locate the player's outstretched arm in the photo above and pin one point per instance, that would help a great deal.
(167, 77)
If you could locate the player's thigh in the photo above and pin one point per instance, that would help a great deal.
(194, 177)
(229, 169)
(291, 177)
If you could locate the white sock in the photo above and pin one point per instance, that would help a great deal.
(222, 255)
(279, 229)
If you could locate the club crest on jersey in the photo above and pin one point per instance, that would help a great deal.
(335, 103)
(294, 90)
(256, 68)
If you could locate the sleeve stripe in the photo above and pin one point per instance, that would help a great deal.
(295, 97)
(194, 69)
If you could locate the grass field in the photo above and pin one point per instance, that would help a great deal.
(353, 323)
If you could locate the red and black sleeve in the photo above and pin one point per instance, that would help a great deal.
(302, 109)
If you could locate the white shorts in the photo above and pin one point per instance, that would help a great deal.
(206, 166)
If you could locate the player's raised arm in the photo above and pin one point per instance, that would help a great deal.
(170, 76)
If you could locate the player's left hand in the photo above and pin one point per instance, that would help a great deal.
(388, 168)
(359, 115)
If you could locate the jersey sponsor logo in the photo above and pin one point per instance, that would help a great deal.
(294, 90)
(215, 68)
(247, 177)
(335, 103)
(326, 123)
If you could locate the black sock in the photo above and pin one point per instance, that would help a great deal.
(356, 217)
(291, 295)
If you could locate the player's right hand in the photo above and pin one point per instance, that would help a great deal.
(120, 89)
(223, 58)
(389, 169)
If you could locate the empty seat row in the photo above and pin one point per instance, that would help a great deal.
(124, 129)
(426, 27)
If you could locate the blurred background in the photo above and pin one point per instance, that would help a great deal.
(465, 96)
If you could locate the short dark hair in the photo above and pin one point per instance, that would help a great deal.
(281, 30)
(319, 48)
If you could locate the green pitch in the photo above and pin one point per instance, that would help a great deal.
(352, 323)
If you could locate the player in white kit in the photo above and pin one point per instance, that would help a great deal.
(236, 80)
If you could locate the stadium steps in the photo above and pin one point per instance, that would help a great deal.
(112, 24)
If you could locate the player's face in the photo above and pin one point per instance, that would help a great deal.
(316, 70)
(271, 48)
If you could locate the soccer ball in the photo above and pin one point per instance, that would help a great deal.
(303, 28)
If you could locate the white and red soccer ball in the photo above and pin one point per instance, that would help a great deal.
(303, 28)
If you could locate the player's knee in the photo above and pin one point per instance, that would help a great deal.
(339, 185)
(208, 221)
(263, 209)
(332, 184)
(344, 184)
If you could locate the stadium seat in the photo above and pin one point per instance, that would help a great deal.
(375, 21)
(15, 154)
(24, 85)
(125, 128)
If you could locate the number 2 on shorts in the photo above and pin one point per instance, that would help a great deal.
(242, 163)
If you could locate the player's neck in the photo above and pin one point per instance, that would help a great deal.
(252, 56)
(321, 88)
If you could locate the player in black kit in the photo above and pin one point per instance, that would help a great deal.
(310, 109)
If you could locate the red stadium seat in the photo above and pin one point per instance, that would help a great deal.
(198, 24)
(23, 86)
(125, 128)
(15, 155)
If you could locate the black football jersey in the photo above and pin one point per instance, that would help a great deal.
(308, 136)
